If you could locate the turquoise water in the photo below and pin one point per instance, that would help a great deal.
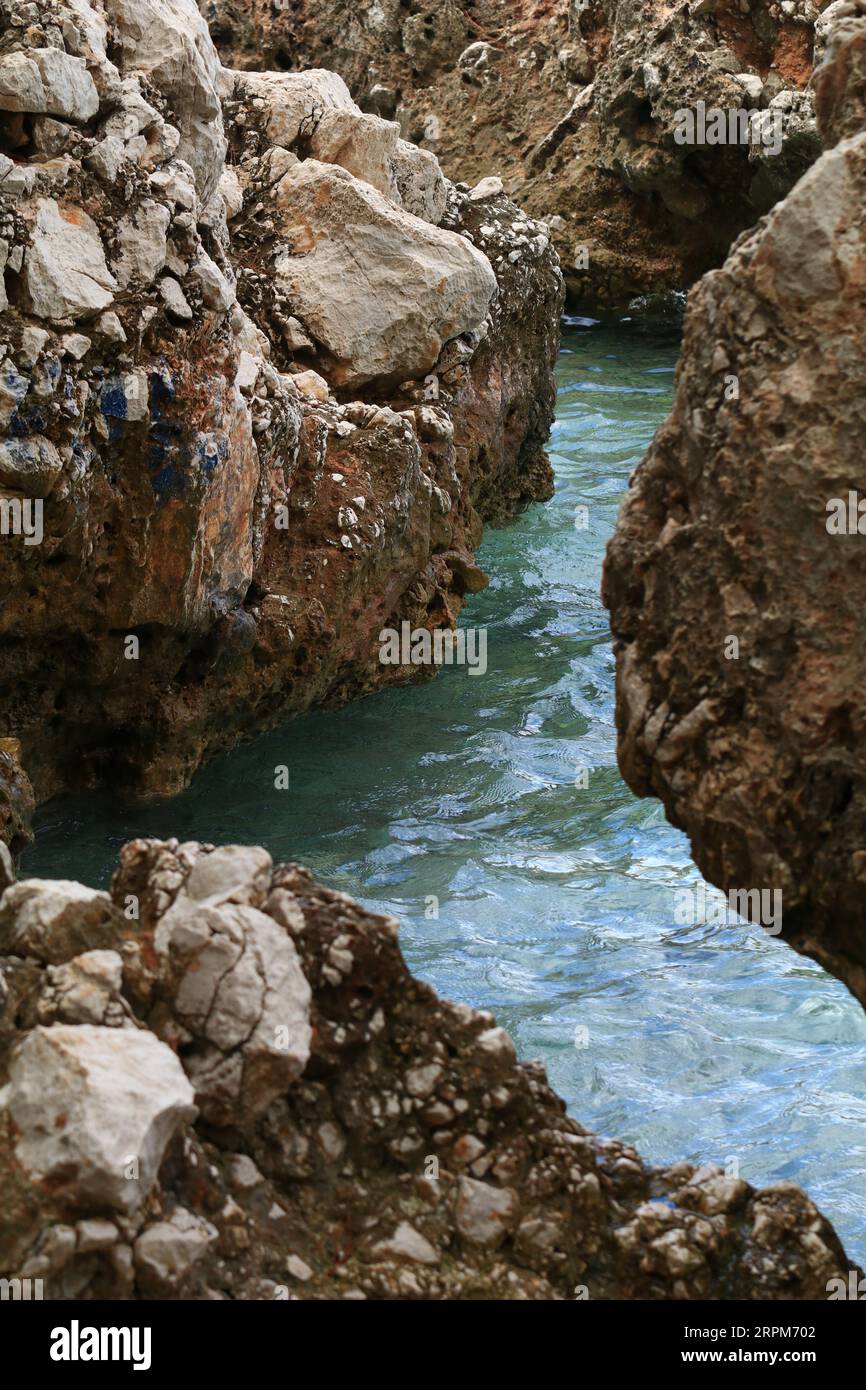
(555, 900)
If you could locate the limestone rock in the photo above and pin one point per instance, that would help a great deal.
(53, 920)
(141, 245)
(421, 185)
(739, 673)
(165, 425)
(574, 106)
(346, 1148)
(231, 874)
(30, 466)
(169, 41)
(65, 270)
(94, 1109)
(364, 145)
(406, 1244)
(421, 285)
(17, 803)
(86, 989)
(293, 103)
(236, 986)
(483, 1212)
(21, 86)
(166, 1251)
(70, 91)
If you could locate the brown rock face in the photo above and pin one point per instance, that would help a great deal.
(574, 106)
(17, 803)
(736, 576)
(254, 410)
(383, 1143)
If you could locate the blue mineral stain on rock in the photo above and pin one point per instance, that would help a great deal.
(17, 386)
(162, 391)
(170, 451)
(47, 375)
(112, 400)
(15, 383)
(211, 450)
(19, 425)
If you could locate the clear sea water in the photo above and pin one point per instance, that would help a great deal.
(555, 901)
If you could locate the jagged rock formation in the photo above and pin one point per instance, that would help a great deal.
(735, 580)
(574, 105)
(221, 1081)
(263, 374)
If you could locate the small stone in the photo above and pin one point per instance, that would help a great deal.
(75, 345)
(243, 1173)
(406, 1244)
(247, 374)
(298, 1268)
(295, 336)
(174, 299)
(311, 385)
(483, 1213)
(216, 291)
(33, 341)
(110, 327)
(166, 1252)
(491, 187)
(96, 1234)
(422, 1081)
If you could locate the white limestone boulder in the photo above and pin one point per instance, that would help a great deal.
(235, 986)
(70, 91)
(54, 920)
(169, 41)
(94, 1109)
(65, 271)
(380, 290)
(291, 103)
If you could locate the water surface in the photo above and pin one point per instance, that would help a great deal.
(555, 900)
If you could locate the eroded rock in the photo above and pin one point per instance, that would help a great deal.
(576, 107)
(735, 589)
(420, 286)
(177, 396)
(351, 1181)
(92, 1111)
(65, 271)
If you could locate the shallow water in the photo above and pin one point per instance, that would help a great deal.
(555, 901)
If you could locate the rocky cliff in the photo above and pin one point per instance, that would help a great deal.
(221, 1081)
(575, 105)
(264, 372)
(736, 575)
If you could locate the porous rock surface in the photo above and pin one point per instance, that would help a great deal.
(264, 372)
(306, 1120)
(573, 105)
(736, 599)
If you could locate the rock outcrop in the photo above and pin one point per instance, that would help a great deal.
(575, 106)
(263, 374)
(221, 1081)
(736, 579)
